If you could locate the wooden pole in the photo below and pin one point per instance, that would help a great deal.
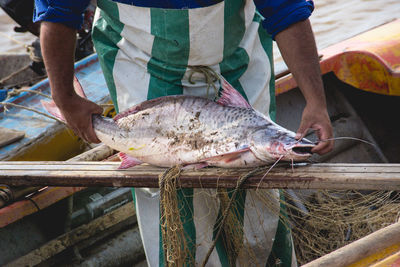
(313, 176)
(48, 196)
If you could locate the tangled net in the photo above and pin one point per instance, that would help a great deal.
(175, 247)
(321, 221)
(335, 218)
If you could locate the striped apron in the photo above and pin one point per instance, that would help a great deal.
(147, 53)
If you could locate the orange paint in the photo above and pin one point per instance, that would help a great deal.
(369, 61)
(45, 198)
(391, 261)
(377, 257)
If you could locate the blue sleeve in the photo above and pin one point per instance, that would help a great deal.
(280, 14)
(69, 13)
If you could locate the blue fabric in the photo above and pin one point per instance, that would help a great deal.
(172, 4)
(69, 13)
(278, 14)
(3, 94)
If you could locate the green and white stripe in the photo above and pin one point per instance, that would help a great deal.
(147, 53)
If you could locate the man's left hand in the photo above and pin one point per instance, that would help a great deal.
(317, 119)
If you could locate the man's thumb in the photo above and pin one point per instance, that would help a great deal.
(302, 131)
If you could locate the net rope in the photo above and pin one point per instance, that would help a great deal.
(325, 221)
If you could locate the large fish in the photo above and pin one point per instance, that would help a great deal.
(191, 130)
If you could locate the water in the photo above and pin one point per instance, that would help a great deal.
(332, 20)
(336, 20)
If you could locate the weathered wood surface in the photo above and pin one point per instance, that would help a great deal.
(313, 176)
(8, 136)
(75, 236)
(49, 195)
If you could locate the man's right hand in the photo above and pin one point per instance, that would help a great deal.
(58, 47)
(78, 112)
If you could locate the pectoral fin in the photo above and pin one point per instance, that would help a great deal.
(127, 161)
(227, 157)
(195, 166)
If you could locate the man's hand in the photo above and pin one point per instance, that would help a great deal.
(78, 112)
(299, 51)
(58, 48)
(318, 120)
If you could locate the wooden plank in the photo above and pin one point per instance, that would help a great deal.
(313, 176)
(379, 256)
(9, 136)
(330, 167)
(48, 195)
(393, 260)
(362, 248)
(43, 199)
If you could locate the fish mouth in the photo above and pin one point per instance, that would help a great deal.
(304, 150)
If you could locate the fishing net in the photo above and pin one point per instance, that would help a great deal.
(244, 222)
(321, 221)
(174, 245)
(334, 218)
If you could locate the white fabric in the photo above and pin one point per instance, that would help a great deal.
(147, 213)
(256, 87)
(130, 68)
(206, 30)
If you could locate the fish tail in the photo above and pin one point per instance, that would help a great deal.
(78, 88)
(52, 108)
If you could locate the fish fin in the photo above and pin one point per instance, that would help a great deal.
(231, 97)
(52, 108)
(78, 88)
(127, 161)
(227, 157)
(195, 166)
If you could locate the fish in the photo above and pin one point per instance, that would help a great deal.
(195, 131)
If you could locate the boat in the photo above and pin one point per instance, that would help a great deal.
(45, 212)
(368, 61)
(28, 135)
(365, 71)
(45, 138)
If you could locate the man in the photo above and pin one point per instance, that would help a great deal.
(149, 49)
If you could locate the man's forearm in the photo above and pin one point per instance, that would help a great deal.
(58, 48)
(298, 49)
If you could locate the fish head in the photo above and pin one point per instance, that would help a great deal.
(273, 143)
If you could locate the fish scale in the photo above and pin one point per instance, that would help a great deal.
(193, 128)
